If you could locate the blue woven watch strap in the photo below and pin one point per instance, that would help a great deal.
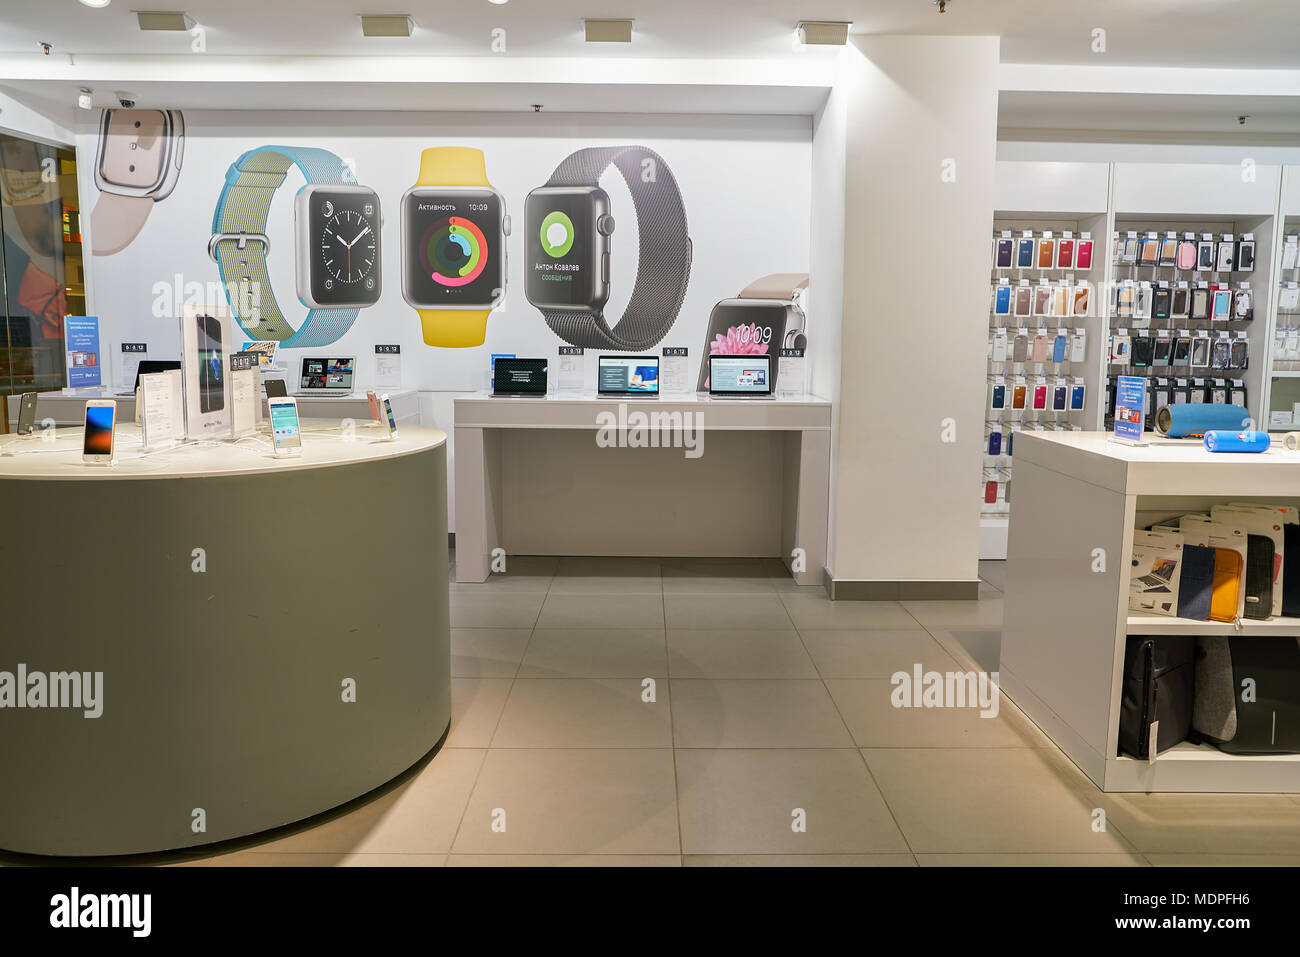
(242, 207)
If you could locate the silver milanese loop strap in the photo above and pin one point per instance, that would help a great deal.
(664, 260)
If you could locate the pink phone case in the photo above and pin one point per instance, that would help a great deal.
(1083, 254)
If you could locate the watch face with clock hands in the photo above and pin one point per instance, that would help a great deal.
(342, 247)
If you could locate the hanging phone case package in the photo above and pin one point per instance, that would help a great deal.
(1267, 523)
(1154, 572)
(1229, 599)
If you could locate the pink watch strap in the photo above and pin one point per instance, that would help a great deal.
(778, 285)
(116, 220)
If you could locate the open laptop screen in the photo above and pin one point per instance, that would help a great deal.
(740, 375)
(512, 376)
(327, 375)
(628, 375)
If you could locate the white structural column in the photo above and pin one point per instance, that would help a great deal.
(917, 117)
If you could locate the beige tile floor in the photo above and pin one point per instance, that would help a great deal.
(712, 713)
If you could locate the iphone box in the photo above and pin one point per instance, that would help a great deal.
(206, 344)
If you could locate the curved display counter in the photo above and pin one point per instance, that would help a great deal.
(207, 642)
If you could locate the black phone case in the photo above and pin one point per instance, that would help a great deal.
(1259, 576)
(1196, 583)
(1140, 357)
(1160, 303)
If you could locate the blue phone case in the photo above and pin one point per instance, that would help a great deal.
(999, 397)
(1002, 301)
(995, 443)
(1076, 398)
(1058, 349)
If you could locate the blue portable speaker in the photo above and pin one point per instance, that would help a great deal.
(1182, 419)
(1222, 441)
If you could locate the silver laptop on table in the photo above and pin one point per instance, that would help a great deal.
(740, 377)
(325, 377)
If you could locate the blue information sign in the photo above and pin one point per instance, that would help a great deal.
(81, 340)
(1130, 401)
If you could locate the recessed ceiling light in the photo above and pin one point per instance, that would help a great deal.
(96, 3)
(608, 31)
(823, 32)
(497, 1)
(164, 20)
(387, 25)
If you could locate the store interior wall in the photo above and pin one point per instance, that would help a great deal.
(744, 182)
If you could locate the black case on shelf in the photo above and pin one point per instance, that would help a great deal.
(1266, 723)
(1259, 576)
(1159, 685)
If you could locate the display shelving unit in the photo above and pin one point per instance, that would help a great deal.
(1067, 620)
(1035, 200)
(1282, 385)
(1102, 198)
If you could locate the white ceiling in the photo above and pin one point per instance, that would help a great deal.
(1204, 33)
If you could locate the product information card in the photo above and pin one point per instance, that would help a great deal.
(81, 335)
(571, 366)
(388, 367)
(162, 418)
(244, 398)
(675, 376)
(129, 355)
(1130, 399)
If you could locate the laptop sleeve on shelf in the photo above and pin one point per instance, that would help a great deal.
(1265, 721)
(1159, 679)
(1196, 584)
(1226, 594)
(1258, 578)
(1291, 571)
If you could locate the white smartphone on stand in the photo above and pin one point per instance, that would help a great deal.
(390, 420)
(286, 431)
(100, 430)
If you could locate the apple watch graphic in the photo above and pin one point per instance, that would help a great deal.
(568, 232)
(336, 237)
(768, 315)
(454, 229)
(137, 163)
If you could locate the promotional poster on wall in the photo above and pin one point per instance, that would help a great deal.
(328, 236)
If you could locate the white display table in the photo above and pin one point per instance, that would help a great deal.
(1066, 624)
(69, 408)
(544, 476)
(230, 600)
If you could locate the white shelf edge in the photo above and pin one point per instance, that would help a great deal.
(1161, 625)
(1201, 753)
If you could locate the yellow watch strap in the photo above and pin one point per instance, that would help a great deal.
(454, 328)
(452, 166)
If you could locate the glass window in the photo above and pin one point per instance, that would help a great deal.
(41, 274)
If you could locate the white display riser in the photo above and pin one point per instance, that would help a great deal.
(993, 537)
(1066, 626)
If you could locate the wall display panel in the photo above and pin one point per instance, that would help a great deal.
(356, 229)
(1188, 309)
(1283, 406)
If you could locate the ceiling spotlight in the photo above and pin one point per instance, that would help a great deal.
(84, 100)
(608, 31)
(497, 1)
(164, 20)
(1241, 120)
(823, 32)
(96, 3)
(387, 25)
(942, 5)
